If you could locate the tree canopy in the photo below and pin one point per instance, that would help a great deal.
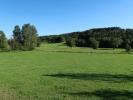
(25, 38)
(111, 37)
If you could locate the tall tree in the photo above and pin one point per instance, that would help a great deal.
(17, 38)
(25, 38)
(3, 41)
(30, 36)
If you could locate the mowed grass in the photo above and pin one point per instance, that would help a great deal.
(57, 72)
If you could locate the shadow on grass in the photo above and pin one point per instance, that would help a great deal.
(107, 94)
(95, 77)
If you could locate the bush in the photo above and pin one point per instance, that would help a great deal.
(70, 42)
(94, 43)
(128, 48)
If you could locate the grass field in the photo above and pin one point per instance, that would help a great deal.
(57, 72)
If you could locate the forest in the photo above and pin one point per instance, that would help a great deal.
(111, 37)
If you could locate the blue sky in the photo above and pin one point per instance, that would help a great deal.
(61, 16)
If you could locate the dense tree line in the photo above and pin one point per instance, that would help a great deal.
(112, 37)
(26, 38)
(52, 39)
(23, 39)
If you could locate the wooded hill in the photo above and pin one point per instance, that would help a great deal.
(111, 37)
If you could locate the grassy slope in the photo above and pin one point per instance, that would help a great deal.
(56, 72)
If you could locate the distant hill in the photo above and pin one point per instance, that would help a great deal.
(111, 37)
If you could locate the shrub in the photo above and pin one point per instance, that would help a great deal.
(94, 43)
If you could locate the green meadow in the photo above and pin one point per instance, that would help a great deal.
(57, 72)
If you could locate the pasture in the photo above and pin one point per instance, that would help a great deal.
(57, 72)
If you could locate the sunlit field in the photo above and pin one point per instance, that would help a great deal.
(57, 72)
